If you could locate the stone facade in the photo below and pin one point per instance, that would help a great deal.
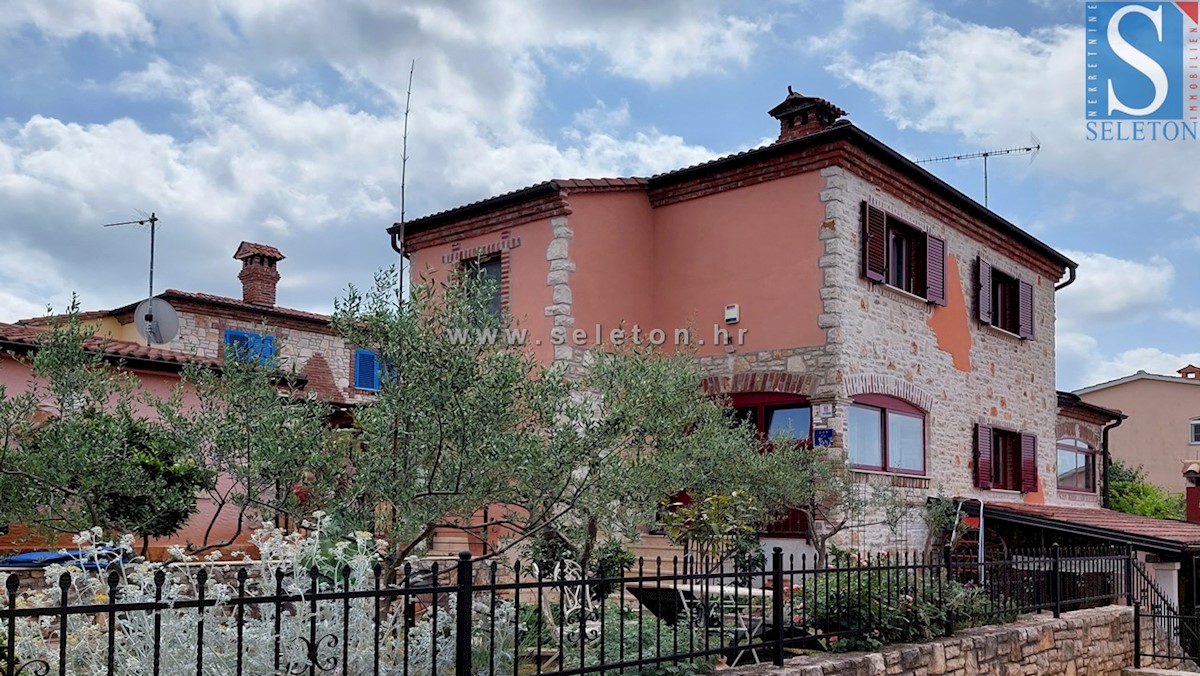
(1095, 642)
(202, 332)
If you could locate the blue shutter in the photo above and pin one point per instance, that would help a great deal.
(266, 349)
(366, 371)
(237, 344)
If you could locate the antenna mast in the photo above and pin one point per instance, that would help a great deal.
(151, 221)
(404, 171)
(1032, 149)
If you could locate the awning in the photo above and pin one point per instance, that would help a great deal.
(1141, 532)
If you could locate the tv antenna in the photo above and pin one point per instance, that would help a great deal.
(147, 325)
(1032, 150)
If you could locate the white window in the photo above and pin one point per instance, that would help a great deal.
(1195, 437)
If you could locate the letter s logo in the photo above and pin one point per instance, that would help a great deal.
(1138, 59)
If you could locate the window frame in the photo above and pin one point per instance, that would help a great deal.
(1006, 443)
(923, 256)
(378, 380)
(1078, 447)
(988, 466)
(255, 343)
(888, 405)
(1193, 426)
(1004, 301)
(499, 301)
(794, 524)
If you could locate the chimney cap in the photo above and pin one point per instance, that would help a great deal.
(795, 101)
(248, 249)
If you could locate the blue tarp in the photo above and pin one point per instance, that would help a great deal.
(77, 557)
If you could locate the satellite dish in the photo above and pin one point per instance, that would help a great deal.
(156, 321)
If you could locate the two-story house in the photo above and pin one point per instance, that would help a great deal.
(302, 344)
(827, 283)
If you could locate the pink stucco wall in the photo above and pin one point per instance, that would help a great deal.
(1156, 434)
(612, 246)
(528, 293)
(757, 246)
(16, 378)
(673, 267)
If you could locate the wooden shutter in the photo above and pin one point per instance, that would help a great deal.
(365, 371)
(1025, 311)
(983, 291)
(1029, 474)
(266, 349)
(983, 456)
(874, 243)
(935, 269)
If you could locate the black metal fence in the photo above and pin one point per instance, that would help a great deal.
(476, 617)
(1162, 631)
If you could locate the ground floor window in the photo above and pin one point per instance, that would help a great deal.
(886, 434)
(777, 418)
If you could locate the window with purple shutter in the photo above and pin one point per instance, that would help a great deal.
(1029, 473)
(983, 291)
(1025, 311)
(1004, 301)
(902, 256)
(983, 456)
(935, 269)
(874, 243)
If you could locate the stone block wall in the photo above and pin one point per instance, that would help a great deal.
(203, 334)
(1094, 642)
(941, 359)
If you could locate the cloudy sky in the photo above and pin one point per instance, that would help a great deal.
(280, 121)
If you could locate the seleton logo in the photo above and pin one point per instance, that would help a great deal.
(1143, 71)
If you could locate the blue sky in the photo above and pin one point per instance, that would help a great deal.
(280, 122)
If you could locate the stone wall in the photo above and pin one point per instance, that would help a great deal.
(1095, 642)
(943, 360)
(203, 334)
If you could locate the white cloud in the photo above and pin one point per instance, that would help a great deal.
(118, 19)
(1082, 363)
(1110, 291)
(1188, 316)
(993, 85)
(318, 175)
(896, 15)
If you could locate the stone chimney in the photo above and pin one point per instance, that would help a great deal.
(258, 274)
(801, 115)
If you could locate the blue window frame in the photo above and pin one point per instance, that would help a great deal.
(366, 370)
(249, 347)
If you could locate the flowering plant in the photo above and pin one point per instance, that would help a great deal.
(262, 612)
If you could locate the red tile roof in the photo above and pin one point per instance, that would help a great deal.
(247, 249)
(207, 298)
(17, 335)
(1124, 527)
(240, 304)
(841, 130)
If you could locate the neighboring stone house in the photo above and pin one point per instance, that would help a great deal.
(827, 283)
(302, 342)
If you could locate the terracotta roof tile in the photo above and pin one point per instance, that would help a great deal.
(239, 303)
(246, 249)
(1181, 532)
(25, 335)
(620, 183)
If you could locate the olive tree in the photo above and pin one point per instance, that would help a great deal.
(465, 424)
